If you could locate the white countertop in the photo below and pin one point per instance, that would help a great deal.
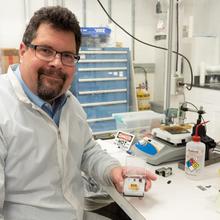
(181, 199)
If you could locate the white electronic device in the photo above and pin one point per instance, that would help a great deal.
(174, 137)
(165, 146)
(156, 151)
(135, 177)
(134, 186)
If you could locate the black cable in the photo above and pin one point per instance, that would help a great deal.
(177, 33)
(191, 104)
(151, 45)
(158, 7)
(195, 108)
(140, 67)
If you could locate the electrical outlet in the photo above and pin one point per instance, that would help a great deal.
(179, 89)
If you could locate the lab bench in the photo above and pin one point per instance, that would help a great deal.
(173, 197)
(102, 85)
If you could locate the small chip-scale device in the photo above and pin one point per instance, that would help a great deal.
(134, 186)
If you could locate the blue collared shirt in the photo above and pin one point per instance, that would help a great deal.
(54, 111)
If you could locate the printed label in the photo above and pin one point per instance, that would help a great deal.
(124, 140)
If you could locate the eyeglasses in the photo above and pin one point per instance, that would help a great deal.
(48, 54)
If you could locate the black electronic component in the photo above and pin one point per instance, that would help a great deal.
(208, 141)
(164, 171)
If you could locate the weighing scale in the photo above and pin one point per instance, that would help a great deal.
(169, 141)
(168, 144)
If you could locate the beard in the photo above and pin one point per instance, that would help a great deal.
(50, 83)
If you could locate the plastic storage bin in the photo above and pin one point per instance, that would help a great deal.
(95, 36)
(138, 123)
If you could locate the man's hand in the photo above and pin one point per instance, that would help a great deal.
(119, 173)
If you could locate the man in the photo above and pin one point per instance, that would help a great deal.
(45, 141)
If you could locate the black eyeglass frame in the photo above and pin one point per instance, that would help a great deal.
(55, 52)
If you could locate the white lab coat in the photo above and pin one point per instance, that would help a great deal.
(40, 163)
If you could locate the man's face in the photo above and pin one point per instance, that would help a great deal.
(48, 79)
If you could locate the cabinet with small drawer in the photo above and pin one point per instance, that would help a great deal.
(102, 85)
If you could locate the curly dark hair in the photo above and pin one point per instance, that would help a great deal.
(59, 17)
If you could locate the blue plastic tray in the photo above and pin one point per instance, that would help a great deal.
(95, 31)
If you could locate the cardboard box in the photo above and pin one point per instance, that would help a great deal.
(8, 56)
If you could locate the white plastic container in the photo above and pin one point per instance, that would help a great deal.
(195, 158)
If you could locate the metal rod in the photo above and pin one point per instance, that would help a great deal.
(26, 11)
(133, 28)
(84, 12)
(169, 57)
(110, 10)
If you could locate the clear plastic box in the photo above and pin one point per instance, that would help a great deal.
(138, 123)
(95, 36)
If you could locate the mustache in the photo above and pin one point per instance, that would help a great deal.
(52, 72)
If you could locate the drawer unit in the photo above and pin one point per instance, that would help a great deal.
(104, 109)
(107, 95)
(101, 85)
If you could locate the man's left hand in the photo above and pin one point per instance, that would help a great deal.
(119, 173)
